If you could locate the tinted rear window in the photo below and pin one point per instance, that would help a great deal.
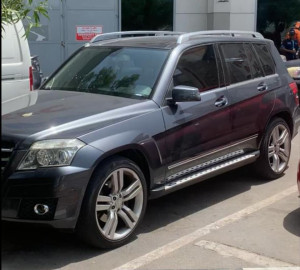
(265, 58)
(255, 65)
(236, 61)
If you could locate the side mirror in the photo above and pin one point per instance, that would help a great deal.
(183, 93)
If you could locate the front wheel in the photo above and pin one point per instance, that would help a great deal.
(114, 204)
(275, 150)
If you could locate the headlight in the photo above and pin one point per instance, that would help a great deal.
(50, 153)
(294, 72)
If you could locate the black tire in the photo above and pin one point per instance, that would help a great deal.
(121, 207)
(275, 150)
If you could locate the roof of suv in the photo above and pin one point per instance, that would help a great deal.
(169, 40)
(146, 42)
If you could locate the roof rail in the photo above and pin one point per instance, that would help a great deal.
(114, 35)
(187, 36)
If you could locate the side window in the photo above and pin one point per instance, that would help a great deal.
(236, 62)
(255, 66)
(197, 68)
(266, 59)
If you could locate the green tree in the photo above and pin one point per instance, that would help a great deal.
(13, 11)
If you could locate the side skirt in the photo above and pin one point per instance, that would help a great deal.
(203, 174)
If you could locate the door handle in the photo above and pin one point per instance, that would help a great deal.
(262, 87)
(220, 102)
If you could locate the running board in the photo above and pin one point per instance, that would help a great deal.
(206, 173)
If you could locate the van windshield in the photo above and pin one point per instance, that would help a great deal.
(118, 71)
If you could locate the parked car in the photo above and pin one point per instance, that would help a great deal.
(16, 73)
(37, 73)
(293, 67)
(132, 116)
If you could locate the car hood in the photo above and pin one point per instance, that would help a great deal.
(64, 114)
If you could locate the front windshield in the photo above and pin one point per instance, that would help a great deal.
(127, 72)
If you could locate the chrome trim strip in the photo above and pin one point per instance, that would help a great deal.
(212, 152)
(210, 170)
(206, 164)
(234, 85)
(7, 150)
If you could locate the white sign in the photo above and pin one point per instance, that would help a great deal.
(87, 32)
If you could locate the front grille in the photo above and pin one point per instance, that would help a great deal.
(6, 151)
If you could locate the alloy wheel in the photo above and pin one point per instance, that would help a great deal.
(119, 204)
(279, 148)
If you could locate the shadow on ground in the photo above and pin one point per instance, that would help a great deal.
(292, 222)
(40, 248)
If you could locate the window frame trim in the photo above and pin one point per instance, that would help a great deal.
(226, 70)
(269, 50)
(170, 84)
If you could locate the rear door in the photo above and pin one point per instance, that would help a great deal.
(251, 82)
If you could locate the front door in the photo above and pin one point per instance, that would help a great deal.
(193, 129)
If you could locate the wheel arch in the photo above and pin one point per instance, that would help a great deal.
(139, 159)
(132, 153)
(286, 116)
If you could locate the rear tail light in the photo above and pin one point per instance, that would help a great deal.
(30, 78)
(294, 89)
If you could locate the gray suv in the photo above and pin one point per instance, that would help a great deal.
(132, 116)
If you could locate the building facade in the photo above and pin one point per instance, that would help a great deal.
(195, 15)
(73, 22)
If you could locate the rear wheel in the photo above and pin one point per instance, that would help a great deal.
(114, 204)
(275, 150)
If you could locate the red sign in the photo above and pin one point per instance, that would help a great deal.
(87, 32)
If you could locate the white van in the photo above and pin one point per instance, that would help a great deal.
(16, 75)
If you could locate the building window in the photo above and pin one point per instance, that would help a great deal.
(147, 15)
(275, 18)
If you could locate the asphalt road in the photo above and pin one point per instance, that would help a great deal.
(231, 221)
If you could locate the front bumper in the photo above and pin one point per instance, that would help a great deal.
(61, 189)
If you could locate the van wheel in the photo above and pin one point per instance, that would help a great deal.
(114, 204)
(275, 150)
